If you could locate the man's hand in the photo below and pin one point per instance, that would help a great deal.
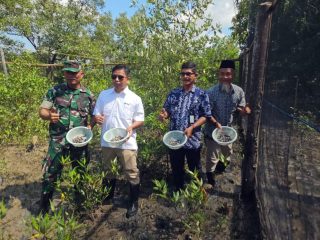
(215, 122)
(163, 115)
(49, 114)
(247, 109)
(218, 125)
(189, 131)
(54, 116)
(244, 110)
(99, 119)
(129, 130)
(134, 125)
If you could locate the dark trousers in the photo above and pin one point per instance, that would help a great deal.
(177, 160)
(53, 167)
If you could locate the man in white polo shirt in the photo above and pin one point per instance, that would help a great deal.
(120, 107)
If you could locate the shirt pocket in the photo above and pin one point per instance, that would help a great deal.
(62, 105)
(62, 102)
(235, 100)
(174, 107)
(196, 108)
(127, 111)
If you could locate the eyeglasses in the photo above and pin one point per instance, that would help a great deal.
(114, 77)
(188, 74)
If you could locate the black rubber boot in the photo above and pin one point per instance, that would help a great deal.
(45, 202)
(78, 199)
(178, 181)
(220, 168)
(133, 202)
(109, 183)
(210, 177)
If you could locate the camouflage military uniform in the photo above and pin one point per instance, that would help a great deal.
(74, 108)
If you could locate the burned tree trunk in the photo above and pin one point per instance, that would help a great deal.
(257, 77)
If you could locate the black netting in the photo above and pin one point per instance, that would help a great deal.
(288, 166)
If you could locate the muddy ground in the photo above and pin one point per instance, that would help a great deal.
(227, 216)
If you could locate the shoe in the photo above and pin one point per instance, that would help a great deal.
(45, 202)
(220, 168)
(210, 178)
(133, 202)
(132, 209)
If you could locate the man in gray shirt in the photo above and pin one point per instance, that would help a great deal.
(225, 99)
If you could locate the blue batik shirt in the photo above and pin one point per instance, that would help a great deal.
(224, 105)
(181, 105)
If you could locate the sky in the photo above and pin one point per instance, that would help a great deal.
(222, 12)
(121, 6)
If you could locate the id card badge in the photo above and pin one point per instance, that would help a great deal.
(191, 119)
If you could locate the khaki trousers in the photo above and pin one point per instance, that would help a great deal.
(128, 162)
(213, 153)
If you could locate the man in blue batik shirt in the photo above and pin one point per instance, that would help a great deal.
(188, 108)
(225, 99)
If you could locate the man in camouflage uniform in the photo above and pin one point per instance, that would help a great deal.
(66, 106)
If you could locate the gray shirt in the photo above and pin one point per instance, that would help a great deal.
(224, 105)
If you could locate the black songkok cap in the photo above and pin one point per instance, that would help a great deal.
(227, 64)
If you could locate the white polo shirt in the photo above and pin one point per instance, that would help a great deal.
(120, 110)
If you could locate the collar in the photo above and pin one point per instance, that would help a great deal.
(193, 89)
(81, 89)
(231, 85)
(124, 91)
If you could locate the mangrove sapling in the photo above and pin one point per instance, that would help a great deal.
(59, 225)
(43, 226)
(3, 212)
(223, 160)
(160, 188)
(188, 202)
(81, 187)
(3, 209)
(115, 167)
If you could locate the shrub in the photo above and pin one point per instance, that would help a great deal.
(21, 95)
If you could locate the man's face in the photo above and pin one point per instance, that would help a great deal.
(225, 75)
(73, 78)
(120, 80)
(188, 77)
